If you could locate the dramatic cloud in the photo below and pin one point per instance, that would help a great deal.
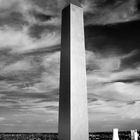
(30, 35)
(22, 42)
(108, 12)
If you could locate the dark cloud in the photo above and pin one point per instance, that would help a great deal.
(131, 103)
(44, 51)
(116, 40)
(111, 11)
(46, 96)
(123, 35)
(49, 4)
(138, 5)
(25, 78)
(42, 17)
(91, 100)
(37, 30)
(13, 19)
(131, 79)
(55, 108)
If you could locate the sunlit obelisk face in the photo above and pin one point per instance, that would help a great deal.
(73, 110)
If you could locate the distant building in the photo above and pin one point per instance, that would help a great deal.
(115, 134)
(134, 134)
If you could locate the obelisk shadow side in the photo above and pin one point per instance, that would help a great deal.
(64, 95)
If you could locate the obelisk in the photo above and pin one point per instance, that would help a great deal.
(73, 109)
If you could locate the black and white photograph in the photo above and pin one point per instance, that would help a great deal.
(69, 70)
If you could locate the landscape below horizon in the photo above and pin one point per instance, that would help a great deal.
(123, 135)
(30, 44)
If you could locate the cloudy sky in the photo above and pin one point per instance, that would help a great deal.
(30, 37)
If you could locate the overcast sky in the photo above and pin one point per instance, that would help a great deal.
(30, 58)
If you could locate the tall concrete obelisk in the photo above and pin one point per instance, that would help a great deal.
(73, 110)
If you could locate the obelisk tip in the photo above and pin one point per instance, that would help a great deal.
(75, 2)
